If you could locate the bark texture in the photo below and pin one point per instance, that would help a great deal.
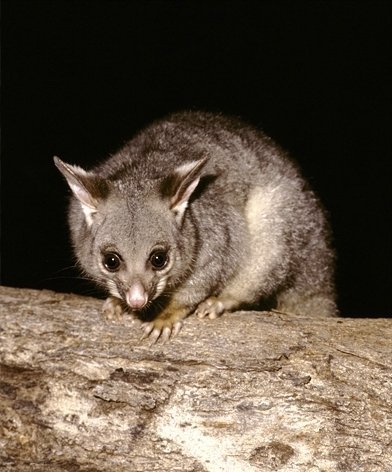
(251, 391)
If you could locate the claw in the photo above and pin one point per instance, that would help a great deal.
(147, 329)
(176, 328)
(203, 309)
(166, 334)
(154, 336)
(155, 330)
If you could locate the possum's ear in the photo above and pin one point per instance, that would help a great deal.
(86, 187)
(180, 185)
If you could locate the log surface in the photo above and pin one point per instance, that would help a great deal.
(250, 391)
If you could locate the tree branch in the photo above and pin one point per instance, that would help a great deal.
(247, 392)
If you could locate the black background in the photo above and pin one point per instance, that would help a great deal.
(80, 77)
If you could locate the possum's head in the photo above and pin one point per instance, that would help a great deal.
(129, 236)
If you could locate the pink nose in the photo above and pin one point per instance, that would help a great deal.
(136, 296)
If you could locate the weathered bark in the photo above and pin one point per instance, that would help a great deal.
(251, 391)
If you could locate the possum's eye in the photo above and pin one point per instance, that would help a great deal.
(111, 261)
(158, 259)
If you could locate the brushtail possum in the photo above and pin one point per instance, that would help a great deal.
(200, 213)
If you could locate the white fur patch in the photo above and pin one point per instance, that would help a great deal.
(88, 213)
(161, 286)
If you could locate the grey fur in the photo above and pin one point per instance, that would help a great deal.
(252, 231)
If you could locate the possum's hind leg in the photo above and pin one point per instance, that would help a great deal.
(312, 304)
(264, 253)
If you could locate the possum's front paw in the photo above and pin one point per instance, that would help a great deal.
(160, 329)
(167, 324)
(212, 307)
(113, 309)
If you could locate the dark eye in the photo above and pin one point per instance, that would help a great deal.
(158, 259)
(112, 261)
